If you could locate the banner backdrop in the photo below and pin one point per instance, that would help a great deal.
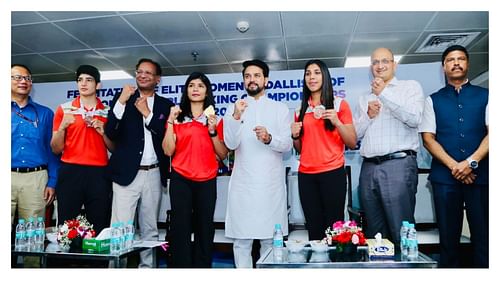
(285, 86)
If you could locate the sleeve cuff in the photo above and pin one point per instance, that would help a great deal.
(119, 109)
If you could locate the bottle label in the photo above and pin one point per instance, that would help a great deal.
(278, 243)
(20, 235)
(404, 242)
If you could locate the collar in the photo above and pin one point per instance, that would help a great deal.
(30, 102)
(465, 84)
(394, 81)
(76, 103)
(251, 99)
(200, 119)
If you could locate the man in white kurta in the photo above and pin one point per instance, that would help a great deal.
(258, 129)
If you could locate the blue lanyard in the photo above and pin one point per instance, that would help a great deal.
(34, 122)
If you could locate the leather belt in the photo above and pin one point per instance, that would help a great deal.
(29, 170)
(390, 156)
(149, 167)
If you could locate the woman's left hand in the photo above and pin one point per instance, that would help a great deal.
(212, 123)
(331, 114)
(98, 125)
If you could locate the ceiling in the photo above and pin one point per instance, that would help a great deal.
(54, 44)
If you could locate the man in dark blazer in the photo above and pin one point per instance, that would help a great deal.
(138, 166)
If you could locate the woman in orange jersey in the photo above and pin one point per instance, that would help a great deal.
(322, 127)
(194, 139)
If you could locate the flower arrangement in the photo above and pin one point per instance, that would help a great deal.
(344, 234)
(71, 230)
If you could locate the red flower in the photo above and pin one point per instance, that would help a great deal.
(73, 223)
(72, 233)
(345, 233)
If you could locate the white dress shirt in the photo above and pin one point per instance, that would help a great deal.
(395, 128)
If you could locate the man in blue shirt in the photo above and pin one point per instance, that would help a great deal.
(455, 131)
(33, 165)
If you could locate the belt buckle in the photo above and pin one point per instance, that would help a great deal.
(400, 154)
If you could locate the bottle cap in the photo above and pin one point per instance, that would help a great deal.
(277, 226)
(21, 220)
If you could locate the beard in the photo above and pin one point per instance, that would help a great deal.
(255, 91)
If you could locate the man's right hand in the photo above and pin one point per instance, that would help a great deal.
(128, 90)
(469, 179)
(239, 108)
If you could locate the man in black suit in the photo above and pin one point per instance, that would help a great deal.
(138, 165)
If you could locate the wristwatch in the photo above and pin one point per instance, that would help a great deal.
(473, 164)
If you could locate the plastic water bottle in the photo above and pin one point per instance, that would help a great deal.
(129, 234)
(39, 233)
(114, 247)
(278, 243)
(121, 225)
(30, 234)
(20, 241)
(412, 242)
(403, 239)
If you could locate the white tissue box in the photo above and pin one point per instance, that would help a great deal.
(385, 248)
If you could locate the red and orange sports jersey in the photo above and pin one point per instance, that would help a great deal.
(194, 157)
(322, 150)
(82, 145)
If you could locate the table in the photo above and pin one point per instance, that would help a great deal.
(53, 251)
(330, 259)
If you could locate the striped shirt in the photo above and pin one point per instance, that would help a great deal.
(395, 128)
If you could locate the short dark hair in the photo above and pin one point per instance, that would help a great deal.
(90, 70)
(157, 65)
(454, 48)
(20, 65)
(262, 65)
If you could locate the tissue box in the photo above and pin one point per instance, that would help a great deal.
(95, 245)
(383, 249)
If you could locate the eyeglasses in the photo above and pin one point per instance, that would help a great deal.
(20, 78)
(141, 72)
(383, 62)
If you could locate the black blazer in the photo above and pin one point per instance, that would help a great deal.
(127, 135)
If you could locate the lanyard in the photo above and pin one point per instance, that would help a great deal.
(34, 122)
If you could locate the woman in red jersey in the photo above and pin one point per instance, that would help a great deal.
(322, 127)
(194, 139)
